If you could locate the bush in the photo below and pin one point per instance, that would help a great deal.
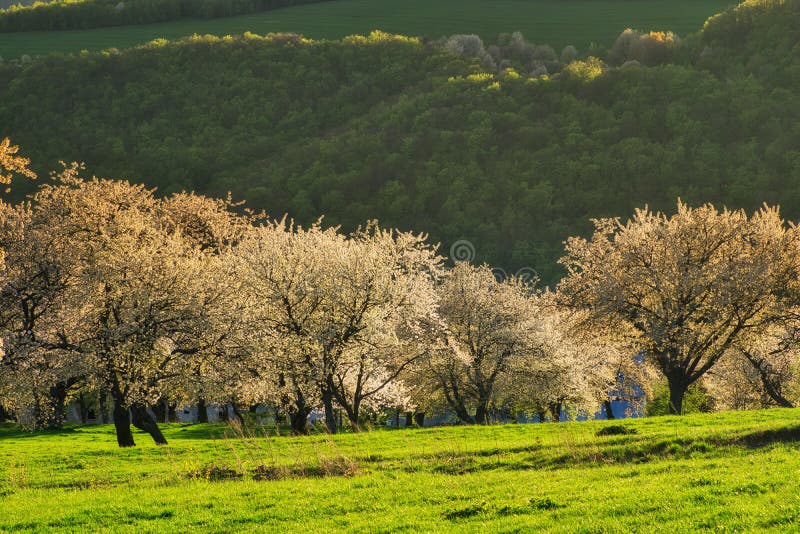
(465, 45)
(653, 48)
(215, 472)
(584, 71)
(568, 54)
(696, 400)
(615, 430)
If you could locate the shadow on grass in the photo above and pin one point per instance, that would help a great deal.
(763, 438)
(641, 451)
(13, 431)
(485, 453)
(194, 431)
(637, 450)
(214, 431)
(482, 508)
(176, 431)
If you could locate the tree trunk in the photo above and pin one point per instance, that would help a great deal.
(172, 413)
(50, 411)
(83, 406)
(460, 410)
(354, 423)
(102, 404)
(555, 412)
(144, 421)
(409, 419)
(233, 414)
(776, 395)
(771, 387)
(330, 413)
(59, 395)
(542, 416)
(346, 409)
(419, 418)
(3, 414)
(299, 421)
(202, 411)
(609, 411)
(299, 411)
(677, 390)
(454, 400)
(160, 409)
(122, 424)
(482, 412)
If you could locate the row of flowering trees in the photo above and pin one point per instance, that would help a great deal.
(107, 288)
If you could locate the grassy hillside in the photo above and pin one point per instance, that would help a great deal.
(732, 471)
(556, 22)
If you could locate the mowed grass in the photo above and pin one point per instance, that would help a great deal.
(723, 473)
(554, 22)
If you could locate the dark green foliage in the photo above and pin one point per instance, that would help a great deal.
(759, 38)
(695, 401)
(392, 129)
(84, 14)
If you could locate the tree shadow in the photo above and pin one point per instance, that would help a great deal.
(762, 438)
(14, 431)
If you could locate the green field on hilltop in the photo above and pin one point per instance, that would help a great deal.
(734, 471)
(4, 4)
(555, 22)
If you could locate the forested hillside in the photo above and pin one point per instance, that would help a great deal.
(465, 147)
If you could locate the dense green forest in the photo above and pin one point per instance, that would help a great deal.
(510, 147)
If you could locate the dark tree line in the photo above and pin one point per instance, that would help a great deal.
(85, 14)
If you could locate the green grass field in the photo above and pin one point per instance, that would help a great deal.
(555, 22)
(722, 473)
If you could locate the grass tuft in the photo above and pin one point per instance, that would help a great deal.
(615, 430)
(215, 472)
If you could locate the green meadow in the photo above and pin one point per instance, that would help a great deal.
(554, 22)
(725, 472)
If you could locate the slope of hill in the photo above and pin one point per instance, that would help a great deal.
(729, 472)
(386, 127)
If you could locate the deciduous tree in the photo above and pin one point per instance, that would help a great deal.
(689, 285)
(488, 326)
(336, 318)
(142, 309)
